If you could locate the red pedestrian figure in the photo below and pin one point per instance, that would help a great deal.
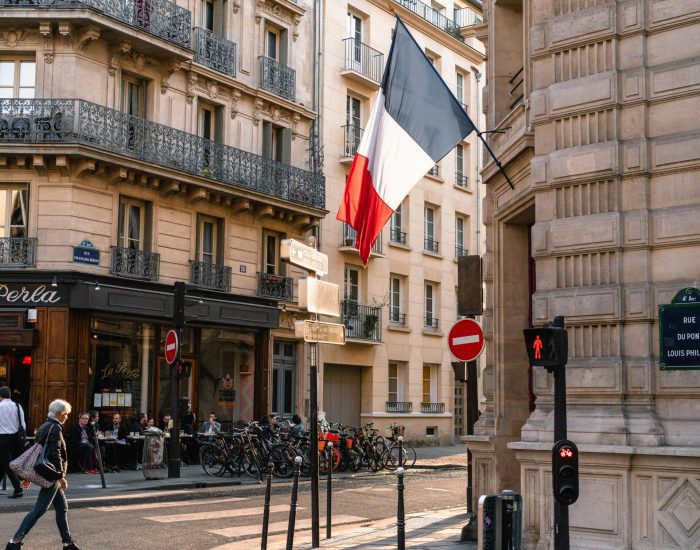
(537, 346)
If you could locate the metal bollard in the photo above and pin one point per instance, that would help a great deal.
(266, 507)
(400, 515)
(329, 487)
(401, 459)
(293, 504)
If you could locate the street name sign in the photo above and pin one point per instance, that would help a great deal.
(171, 346)
(318, 331)
(304, 256)
(317, 296)
(679, 331)
(466, 340)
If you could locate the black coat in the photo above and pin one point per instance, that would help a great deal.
(56, 445)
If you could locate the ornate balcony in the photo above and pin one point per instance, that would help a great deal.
(361, 322)
(431, 323)
(75, 121)
(399, 406)
(350, 238)
(461, 179)
(353, 135)
(276, 287)
(160, 18)
(432, 408)
(460, 251)
(277, 78)
(431, 245)
(431, 15)
(363, 60)
(17, 252)
(136, 264)
(214, 51)
(216, 277)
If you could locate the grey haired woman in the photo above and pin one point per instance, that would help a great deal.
(56, 448)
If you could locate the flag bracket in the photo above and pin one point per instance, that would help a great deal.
(493, 156)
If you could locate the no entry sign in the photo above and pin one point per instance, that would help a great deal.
(466, 340)
(171, 347)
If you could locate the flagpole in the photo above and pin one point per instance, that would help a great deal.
(498, 162)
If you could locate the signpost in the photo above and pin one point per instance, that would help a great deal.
(319, 332)
(304, 256)
(679, 331)
(466, 340)
(172, 346)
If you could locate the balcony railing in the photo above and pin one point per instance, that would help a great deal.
(350, 238)
(431, 323)
(278, 79)
(396, 318)
(277, 287)
(431, 15)
(466, 17)
(399, 406)
(160, 18)
(136, 264)
(362, 59)
(71, 121)
(460, 251)
(353, 135)
(216, 277)
(432, 408)
(214, 51)
(397, 236)
(434, 171)
(362, 322)
(461, 179)
(17, 252)
(431, 245)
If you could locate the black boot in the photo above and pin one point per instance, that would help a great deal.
(71, 546)
(13, 545)
(17, 494)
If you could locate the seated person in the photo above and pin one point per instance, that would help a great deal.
(211, 425)
(267, 427)
(296, 428)
(94, 425)
(137, 426)
(116, 429)
(167, 423)
(82, 448)
(150, 424)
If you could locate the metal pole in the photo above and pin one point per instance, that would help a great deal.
(174, 451)
(293, 504)
(400, 515)
(401, 460)
(469, 531)
(313, 404)
(100, 466)
(266, 507)
(329, 486)
(561, 511)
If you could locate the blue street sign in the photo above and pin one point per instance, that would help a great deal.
(86, 255)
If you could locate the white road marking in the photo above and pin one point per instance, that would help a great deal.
(152, 505)
(217, 514)
(461, 340)
(440, 490)
(278, 526)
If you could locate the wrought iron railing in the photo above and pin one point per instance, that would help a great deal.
(362, 322)
(278, 79)
(431, 322)
(78, 121)
(431, 245)
(160, 18)
(396, 318)
(359, 57)
(277, 287)
(353, 135)
(214, 51)
(466, 17)
(432, 408)
(517, 89)
(461, 179)
(135, 263)
(17, 252)
(350, 239)
(216, 277)
(399, 406)
(397, 236)
(434, 171)
(460, 251)
(431, 15)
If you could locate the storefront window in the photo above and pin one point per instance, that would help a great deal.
(187, 355)
(225, 380)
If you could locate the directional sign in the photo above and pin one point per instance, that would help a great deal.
(317, 331)
(171, 347)
(317, 296)
(466, 340)
(303, 256)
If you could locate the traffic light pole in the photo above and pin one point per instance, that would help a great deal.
(561, 511)
(178, 321)
(313, 405)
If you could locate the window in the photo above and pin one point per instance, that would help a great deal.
(460, 174)
(395, 301)
(429, 229)
(429, 302)
(14, 203)
(283, 378)
(355, 32)
(208, 15)
(271, 253)
(460, 88)
(132, 226)
(396, 227)
(396, 381)
(352, 284)
(134, 96)
(277, 143)
(17, 78)
(208, 248)
(272, 40)
(206, 122)
(353, 120)
(460, 249)
(429, 383)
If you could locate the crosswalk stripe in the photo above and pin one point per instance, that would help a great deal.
(280, 526)
(217, 514)
(152, 505)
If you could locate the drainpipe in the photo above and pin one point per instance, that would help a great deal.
(477, 75)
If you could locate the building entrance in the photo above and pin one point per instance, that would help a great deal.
(342, 390)
(15, 372)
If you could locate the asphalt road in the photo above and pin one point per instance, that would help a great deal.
(233, 518)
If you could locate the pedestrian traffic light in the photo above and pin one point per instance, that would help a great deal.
(546, 346)
(565, 471)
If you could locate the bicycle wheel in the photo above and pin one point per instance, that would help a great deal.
(355, 460)
(213, 460)
(392, 461)
(376, 461)
(323, 462)
(282, 457)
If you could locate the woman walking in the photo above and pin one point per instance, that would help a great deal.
(56, 452)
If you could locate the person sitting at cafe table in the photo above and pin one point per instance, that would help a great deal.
(211, 425)
(167, 423)
(81, 447)
(94, 425)
(138, 425)
(150, 424)
(117, 427)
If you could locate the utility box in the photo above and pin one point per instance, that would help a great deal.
(500, 521)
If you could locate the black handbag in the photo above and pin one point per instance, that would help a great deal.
(43, 466)
(21, 435)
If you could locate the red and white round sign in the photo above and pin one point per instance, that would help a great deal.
(466, 340)
(171, 347)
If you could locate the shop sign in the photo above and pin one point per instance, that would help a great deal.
(679, 331)
(86, 253)
(318, 331)
(31, 295)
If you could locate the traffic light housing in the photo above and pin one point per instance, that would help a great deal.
(546, 346)
(565, 471)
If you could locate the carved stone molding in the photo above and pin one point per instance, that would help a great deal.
(46, 31)
(295, 29)
(235, 96)
(236, 5)
(85, 36)
(295, 122)
(66, 31)
(212, 89)
(257, 116)
(171, 69)
(13, 38)
(121, 52)
(191, 83)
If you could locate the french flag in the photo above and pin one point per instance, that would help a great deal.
(415, 121)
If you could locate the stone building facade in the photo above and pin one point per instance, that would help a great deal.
(395, 366)
(143, 143)
(596, 100)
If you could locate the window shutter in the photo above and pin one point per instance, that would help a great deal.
(220, 226)
(283, 48)
(148, 229)
(286, 153)
(121, 240)
(267, 140)
(219, 17)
